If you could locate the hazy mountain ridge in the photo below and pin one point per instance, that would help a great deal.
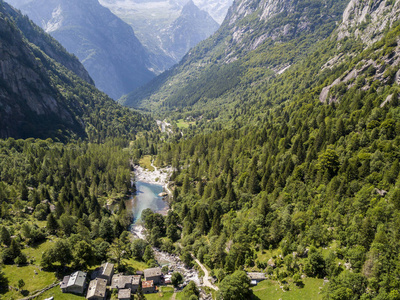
(252, 36)
(157, 25)
(39, 97)
(105, 45)
(191, 27)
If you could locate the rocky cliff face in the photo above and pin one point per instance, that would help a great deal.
(27, 100)
(191, 27)
(367, 20)
(47, 44)
(105, 45)
(250, 23)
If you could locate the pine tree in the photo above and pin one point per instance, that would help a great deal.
(5, 237)
(51, 224)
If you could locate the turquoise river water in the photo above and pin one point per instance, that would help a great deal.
(147, 197)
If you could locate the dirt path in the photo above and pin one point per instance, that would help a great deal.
(206, 278)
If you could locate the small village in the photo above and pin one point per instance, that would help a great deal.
(103, 282)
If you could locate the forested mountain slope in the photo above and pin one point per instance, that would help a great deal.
(47, 44)
(106, 46)
(306, 179)
(42, 98)
(258, 40)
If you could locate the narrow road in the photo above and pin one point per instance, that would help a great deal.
(206, 278)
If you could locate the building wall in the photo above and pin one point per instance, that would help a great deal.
(75, 290)
(149, 290)
(156, 279)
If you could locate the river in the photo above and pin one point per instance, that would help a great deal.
(147, 197)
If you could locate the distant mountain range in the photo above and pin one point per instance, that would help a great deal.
(191, 27)
(45, 92)
(168, 29)
(107, 46)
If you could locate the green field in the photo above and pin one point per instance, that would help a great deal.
(183, 124)
(33, 281)
(145, 162)
(58, 295)
(270, 290)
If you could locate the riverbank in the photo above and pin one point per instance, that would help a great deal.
(158, 176)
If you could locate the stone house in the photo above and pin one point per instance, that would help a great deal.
(148, 287)
(256, 277)
(153, 274)
(74, 283)
(97, 289)
(124, 294)
(105, 271)
(120, 281)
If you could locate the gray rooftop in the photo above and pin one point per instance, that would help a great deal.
(107, 269)
(152, 272)
(97, 288)
(64, 283)
(136, 279)
(120, 281)
(77, 279)
(124, 294)
(256, 276)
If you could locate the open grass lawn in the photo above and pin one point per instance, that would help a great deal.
(132, 263)
(269, 290)
(183, 124)
(145, 162)
(35, 253)
(32, 281)
(166, 292)
(59, 295)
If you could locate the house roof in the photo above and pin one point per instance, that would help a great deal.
(147, 284)
(124, 294)
(152, 272)
(108, 268)
(120, 281)
(97, 288)
(105, 269)
(77, 279)
(256, 276)
(136, 279)
(64, 283)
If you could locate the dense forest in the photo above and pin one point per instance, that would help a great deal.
(295, 174)
(312, 186)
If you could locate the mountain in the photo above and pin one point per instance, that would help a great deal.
(42, 93)
(191, 27)
(157, 24)
(216, 8)
(257, 41)
(107, 47)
